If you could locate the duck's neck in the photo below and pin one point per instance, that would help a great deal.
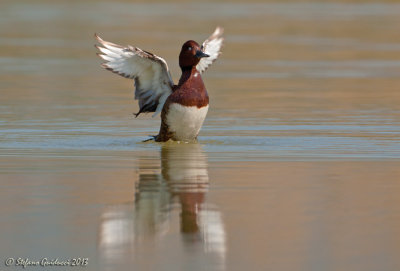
(189, 73)
(190, 90)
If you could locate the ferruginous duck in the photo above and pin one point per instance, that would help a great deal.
(184, 106)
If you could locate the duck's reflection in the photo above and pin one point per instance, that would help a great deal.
(170, 197)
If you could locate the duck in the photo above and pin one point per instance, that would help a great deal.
(183, 106)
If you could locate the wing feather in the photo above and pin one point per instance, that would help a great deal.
(211, 46)
(153, 82)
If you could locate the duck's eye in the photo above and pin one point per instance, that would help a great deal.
(189, 48)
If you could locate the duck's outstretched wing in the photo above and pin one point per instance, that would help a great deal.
(212, 47)
(153, 82)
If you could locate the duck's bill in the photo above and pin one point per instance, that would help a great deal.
(200, 54)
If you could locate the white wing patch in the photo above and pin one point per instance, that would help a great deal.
(153, 82)
(212, 47)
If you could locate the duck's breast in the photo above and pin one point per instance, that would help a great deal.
(185, 121)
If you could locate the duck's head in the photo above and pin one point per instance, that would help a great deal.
(190, 54)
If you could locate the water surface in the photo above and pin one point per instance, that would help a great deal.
(297, 164)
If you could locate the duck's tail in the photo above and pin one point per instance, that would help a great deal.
(150, 139)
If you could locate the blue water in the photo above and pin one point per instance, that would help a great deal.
(260, 141)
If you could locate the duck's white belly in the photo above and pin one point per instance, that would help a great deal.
(185, 121)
